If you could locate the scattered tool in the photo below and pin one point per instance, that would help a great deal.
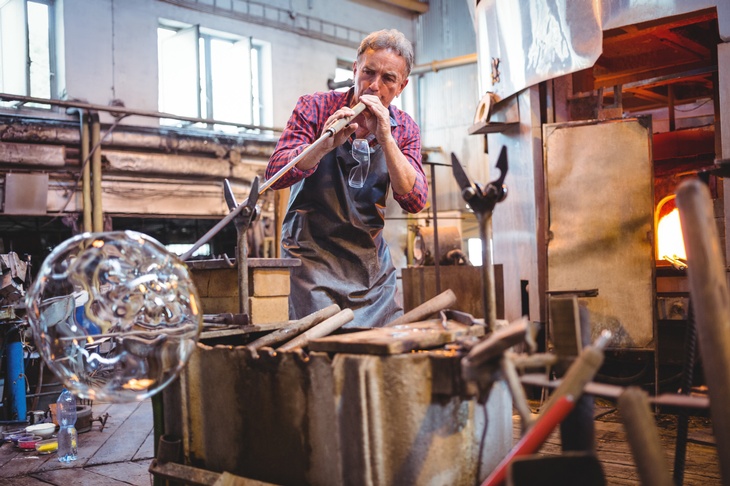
(405, 338)
(322, 329)
(482, 201)
(559, 405)
(432, 306)
(488, 358)
(296, 328)
(581, 372)
(711, 303)
(643, 437)
(242, 222)
(533, 439)
(493, 347)
(226, 319)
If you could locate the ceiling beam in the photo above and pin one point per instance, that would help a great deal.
(630, 32)
(413, 5)
(649, 95)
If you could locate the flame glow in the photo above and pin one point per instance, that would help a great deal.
(669, 234)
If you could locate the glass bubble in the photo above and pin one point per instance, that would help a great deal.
(114, 315)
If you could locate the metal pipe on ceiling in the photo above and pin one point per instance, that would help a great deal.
(412, 5)
(436, 66)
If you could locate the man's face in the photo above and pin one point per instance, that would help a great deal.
(381, 73)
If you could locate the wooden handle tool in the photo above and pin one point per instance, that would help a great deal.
(296, 328)
(332, 131)
(643, 437)
(707, 275)
(442, 301)
(322, 329)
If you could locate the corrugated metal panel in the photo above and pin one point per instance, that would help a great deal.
(448, 98)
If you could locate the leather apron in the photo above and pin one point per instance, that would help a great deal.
(337, 233)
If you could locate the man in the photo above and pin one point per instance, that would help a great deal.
(334, 229)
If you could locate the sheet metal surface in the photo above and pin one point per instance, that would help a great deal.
(520, 44)
(288, 418)
(601, 206)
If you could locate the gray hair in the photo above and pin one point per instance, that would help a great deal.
(389, 39)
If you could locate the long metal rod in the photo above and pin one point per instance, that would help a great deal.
(267, 184)
(229, 217)
(117, 110)
(86, 168)
(436, 248)
(489, 299)
(97, 212)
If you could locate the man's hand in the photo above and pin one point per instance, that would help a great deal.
(377, 118)
(329, 143)
(342, 135)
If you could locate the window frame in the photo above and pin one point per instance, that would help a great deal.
(51, 83)
(259, 101)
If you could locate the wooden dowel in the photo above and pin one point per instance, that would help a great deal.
(496, 343)
(322, 329)
(295, 328)
(708, 286)
(580, 373)
(643, 437)
(442, 301)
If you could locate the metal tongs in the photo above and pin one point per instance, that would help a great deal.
(482, 200)
(242, 222)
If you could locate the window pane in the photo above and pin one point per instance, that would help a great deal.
(341, 75)
(231, 78)
(39, 50)
(205, 111)
(257, 103)
(13, 65)
(179, 76)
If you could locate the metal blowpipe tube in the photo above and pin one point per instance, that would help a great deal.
(330, 132)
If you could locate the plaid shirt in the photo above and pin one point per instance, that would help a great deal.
(306, 125)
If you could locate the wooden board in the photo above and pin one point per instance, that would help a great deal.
(397, 339)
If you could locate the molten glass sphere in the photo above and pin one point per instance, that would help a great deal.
(114, 315)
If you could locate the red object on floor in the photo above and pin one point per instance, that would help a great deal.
(533, 439)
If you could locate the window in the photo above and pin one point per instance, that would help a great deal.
(26, 61)
(213, 75)
(343, 74)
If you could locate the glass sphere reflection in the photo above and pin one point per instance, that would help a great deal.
(114, 315)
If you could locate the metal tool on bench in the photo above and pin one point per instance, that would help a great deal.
(558, 406)
(488, 360)
(330, 132)
(482, 200)
(242, 222)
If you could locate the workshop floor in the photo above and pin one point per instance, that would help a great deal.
(701, 461)
(118, 454)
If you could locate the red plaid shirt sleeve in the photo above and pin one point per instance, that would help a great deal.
(408, 137)
(305, 127)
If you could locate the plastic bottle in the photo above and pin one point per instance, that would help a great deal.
(67, 435)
